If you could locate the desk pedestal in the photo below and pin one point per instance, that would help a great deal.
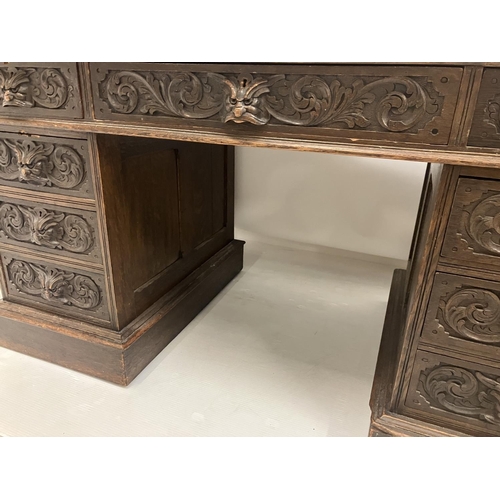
(438, 371)
(110, 245)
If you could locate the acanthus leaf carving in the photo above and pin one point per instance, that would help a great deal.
(183, 95)
(46, 228)
(463, 392)
(473, 314)
(40, 163)
(483, 224)
(397, 104)
(54, 285)
(29, 87)
(492, 112)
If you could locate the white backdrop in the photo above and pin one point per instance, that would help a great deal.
(356, 204)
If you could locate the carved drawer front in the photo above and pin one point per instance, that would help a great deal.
(55, 288)
(464, 315)
(56, 230)
(410, 104)
(449, 391)
(52, 165)
(473, 232)
(45, 90)
(485, 130)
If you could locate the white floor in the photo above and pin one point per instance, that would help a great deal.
(287, 349)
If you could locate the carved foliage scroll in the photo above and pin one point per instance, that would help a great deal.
(485, 128)
(40, 163)
(46, 228)
(394, 104)
(30, 87)
(464, 392)
(483, 223)
(54, 285)
(472, 313)
(492, 112)
(473, 232)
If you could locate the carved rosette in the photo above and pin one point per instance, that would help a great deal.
(30, 87)
(394, 104)
(54, 285)
(463, 392)
(483, 224)
(473, 314)
(46, 228)
(40, 163)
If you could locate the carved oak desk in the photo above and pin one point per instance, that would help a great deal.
(116, 213)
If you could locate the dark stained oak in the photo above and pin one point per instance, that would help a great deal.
(40, 89)
(117, 213)
(414, 103)
(121, 359)
(51, 165)
(485, 130)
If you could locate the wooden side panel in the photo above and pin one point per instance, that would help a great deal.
(202, 194)
(383, 381)
(152, 232)
(166, 207)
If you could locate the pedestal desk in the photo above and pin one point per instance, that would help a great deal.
(116, 213)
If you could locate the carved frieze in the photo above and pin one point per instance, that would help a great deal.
(392, 104)
(46, 228)
(464, 392)
(41, 163)
(54, 285)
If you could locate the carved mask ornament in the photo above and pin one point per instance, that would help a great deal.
(44, 225)
(245, 99)
(55, 284)
(33, 161)
(15, 89)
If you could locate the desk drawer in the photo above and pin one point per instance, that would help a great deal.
(384, 103)
(473, 232)
(60, 231)
(44, 90)
(485, 130)
(52, 165)
(55, 288)
(449, 391)
(464, 315)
